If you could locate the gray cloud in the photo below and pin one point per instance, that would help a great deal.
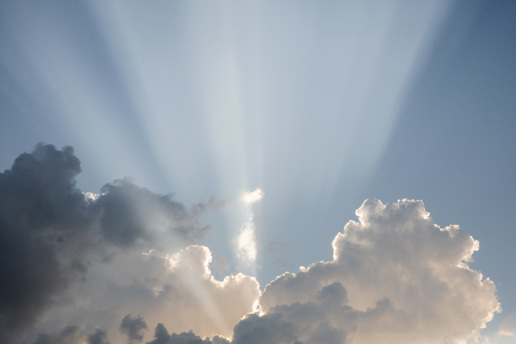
(130, 213)
(98, 337)
(50, 233)
(270, 328)
(396, 278)
(43, 217)
(133, 327)
(161, 336)
(67, 335)
(325, 319)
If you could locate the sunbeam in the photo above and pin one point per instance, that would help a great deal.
(147, 127)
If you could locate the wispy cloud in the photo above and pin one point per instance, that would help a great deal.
(506, 329)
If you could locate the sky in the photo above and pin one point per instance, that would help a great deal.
(257, 172)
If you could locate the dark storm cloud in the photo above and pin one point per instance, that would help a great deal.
(65, 336)
(42, 216)
(133, 327)
(98, 337)
(49, 231)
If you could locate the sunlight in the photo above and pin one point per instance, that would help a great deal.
(246, 243)
(178, 111)
(194, 280)
(252, 196)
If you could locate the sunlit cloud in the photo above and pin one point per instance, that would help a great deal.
(251, 197)
(246, 243)
(395, 275)
(222, 103)
(91, 196)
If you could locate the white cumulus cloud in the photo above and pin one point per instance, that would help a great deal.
(396, 277)
(177, 290)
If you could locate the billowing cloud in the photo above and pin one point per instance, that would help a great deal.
(97, 337)
(265, 329)
(396, 277)
(76, 266)
(180, 291)
(176, 289)
(51, 232)
(161, 336)
(43, 235)
(67, 335)
(133, 327)
(129, 213)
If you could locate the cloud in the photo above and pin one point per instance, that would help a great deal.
(250, 197)
(178, 290)
(51, 233)
(133, 327)
(43, 234)
(80, 260)
(98, 337)
(129, 213)
(265, 329)
(161, 336)
(67, 335)
(505, 328)
(396, 277)
(245, 241)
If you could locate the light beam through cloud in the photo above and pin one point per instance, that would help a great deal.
(252, 197)
(245, 241)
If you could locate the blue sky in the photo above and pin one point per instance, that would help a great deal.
(321, 105)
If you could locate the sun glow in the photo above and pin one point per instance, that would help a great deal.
(245, 242)
(251, 197)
